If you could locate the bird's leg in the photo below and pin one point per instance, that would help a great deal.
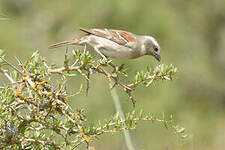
(105, 59)
(103, 56)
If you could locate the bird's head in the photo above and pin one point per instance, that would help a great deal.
(152, 47)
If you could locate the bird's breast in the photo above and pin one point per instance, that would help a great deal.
(112, 49)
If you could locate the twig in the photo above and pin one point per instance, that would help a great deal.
(7, 76)
(11, 65)
(4, 17)
(62, 69)
(40, 142)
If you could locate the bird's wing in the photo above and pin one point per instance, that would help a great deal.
(120, 37)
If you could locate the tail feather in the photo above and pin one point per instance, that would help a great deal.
(64, 43)
(86, 30)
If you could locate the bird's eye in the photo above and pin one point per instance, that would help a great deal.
(156, 49)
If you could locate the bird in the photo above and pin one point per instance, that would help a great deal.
(116, 44)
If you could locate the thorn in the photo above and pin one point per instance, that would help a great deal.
(11, 65)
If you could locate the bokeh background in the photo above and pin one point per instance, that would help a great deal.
(192, 37)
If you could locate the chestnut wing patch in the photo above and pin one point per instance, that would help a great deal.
(127, 36)
(118, 36)
(122, 37)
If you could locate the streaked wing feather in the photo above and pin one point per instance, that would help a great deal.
(129, 37)
(118, 36)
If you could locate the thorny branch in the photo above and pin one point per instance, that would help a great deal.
(31, 106)
(85, 66)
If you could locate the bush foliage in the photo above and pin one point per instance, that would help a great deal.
(35, 114)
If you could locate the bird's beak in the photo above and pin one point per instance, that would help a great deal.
(157, 56)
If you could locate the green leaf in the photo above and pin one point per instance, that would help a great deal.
(35, 54)
(57, 130)
(181, 130)
(24, 129)
(116, 117)
(150, 82)
(15, 75)
(51, 148)
(184, 136)
(171, 117)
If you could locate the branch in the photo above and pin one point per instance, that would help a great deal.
(7, 75)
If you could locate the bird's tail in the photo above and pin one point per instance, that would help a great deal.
(64, 43)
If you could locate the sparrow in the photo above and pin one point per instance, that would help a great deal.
(116, 44)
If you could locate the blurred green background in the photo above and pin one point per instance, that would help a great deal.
(192, 37)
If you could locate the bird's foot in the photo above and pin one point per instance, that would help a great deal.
(104, 61)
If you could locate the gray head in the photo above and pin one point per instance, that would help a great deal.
(152, 47)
